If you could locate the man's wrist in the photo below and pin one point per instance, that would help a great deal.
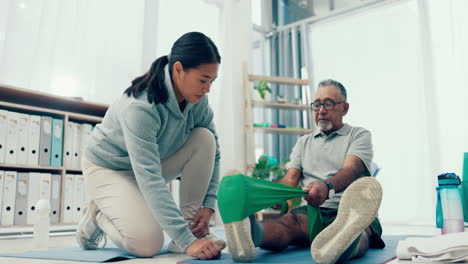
(331, 189)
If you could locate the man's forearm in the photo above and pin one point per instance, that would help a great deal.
(352, 168)
(291, 178)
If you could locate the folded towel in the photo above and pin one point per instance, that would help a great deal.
(446, 248)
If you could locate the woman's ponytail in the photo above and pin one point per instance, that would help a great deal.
(154, 81)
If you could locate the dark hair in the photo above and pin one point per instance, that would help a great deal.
(192, 50)
(337, 84)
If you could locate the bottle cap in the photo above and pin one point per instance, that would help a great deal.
(448, 179)
(43, 207)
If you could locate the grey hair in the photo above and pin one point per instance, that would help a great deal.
(337, 84)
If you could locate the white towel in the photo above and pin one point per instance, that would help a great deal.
(446, 248)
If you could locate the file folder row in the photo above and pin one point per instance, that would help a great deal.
(39, 140)
(20, 191)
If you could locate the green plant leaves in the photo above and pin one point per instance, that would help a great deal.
(262, 87)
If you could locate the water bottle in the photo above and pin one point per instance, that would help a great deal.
(465, 185)
(449, 211)
(41, 224)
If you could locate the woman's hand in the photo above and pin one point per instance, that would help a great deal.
(203, 249)
(201, 222)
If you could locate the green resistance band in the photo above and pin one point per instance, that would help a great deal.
(240, 196)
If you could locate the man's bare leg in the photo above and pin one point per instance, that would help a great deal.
(364, 243)
(289, 229)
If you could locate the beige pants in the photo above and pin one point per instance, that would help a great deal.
(123, 213)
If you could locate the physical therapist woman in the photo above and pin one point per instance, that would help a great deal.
(161, 128)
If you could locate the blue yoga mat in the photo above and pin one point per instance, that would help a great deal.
(107, 254)
(302, 255)
(110, 253)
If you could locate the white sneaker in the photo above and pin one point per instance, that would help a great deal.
(174, 248)
(357, 209)
(88, 234)
(239, 238)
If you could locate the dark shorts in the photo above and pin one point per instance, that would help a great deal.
(329, 215)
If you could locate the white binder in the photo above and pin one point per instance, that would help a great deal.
(33, 195)
(86, 130)
(12, 139)
(3, 133)
(2, 176)
(68, 145)
(21, 203)
(9, 195)
(67, 205)
(45, 141)
(33, 139)
(55, 198)
(76, 158)
(23, 138)
(44, 186)
(78, 197)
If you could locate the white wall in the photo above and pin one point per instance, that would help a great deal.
(85, 48)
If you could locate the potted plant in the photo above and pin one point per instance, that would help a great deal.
(262, 88)
(267, 168)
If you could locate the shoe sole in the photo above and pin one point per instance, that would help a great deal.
(80, 236)
(239, 240)
(83, 242)
(357, 209)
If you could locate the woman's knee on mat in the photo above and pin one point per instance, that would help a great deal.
(144, 243)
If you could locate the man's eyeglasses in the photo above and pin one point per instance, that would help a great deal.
(329, 105)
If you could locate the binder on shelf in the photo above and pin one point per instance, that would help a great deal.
(3, 133)
(33, 196)
(21, 203)
(56, 183)
(57, 142)
(76, 157)
(2, 176)
(44, 186)
(86, 130)
(67, 205)
(78, 197)
(23, 138)
(12, 138)
(68, 145)
(9, 195)
(45, 141)
(34, 137)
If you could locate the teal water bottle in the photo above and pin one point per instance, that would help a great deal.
(449, 211)
(465, 185)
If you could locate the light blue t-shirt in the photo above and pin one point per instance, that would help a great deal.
(136, 135)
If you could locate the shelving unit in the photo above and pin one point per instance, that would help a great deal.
(280, 105)
(250, 129)
(68, 109)
(291, 131)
